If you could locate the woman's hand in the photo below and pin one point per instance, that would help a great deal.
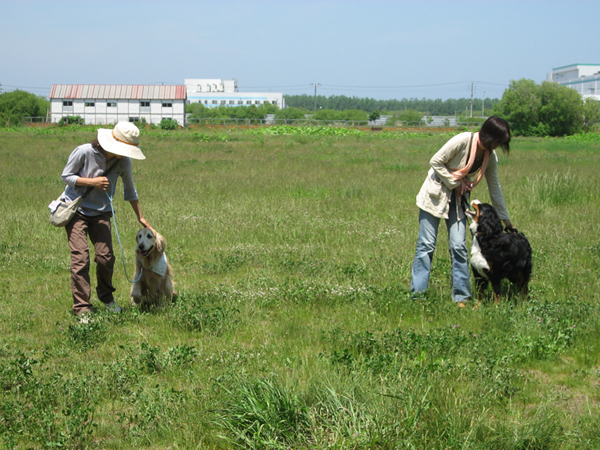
(508, 226)
(464, 187)
(101, 183)
(145, 223)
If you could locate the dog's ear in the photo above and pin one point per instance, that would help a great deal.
(161, 243)
(489, 223)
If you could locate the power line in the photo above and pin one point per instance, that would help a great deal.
(394, 87)
(341, 86)
(278, 87)
(493, 84)
(25, 87)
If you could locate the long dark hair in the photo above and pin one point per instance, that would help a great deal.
(495, 130)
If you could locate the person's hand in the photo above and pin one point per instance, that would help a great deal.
(145, 223)
(101, 183)
(508, 226)
(464, 187)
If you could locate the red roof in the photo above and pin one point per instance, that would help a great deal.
(118, 91)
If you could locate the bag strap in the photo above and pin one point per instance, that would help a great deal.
(105, 173)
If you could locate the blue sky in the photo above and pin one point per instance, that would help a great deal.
(379, 49)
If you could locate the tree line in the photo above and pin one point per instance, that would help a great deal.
(532, 109)
(430, 107)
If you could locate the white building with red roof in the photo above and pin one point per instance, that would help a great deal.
(100, 104)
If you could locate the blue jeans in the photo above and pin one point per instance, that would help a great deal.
(457, 232)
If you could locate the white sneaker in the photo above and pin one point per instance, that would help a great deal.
(113, 307)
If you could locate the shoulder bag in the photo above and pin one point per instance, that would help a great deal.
(61, 211)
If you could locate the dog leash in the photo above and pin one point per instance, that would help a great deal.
(110, 199)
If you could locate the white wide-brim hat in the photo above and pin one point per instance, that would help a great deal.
(123, 140)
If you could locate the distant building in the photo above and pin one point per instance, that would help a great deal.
(213, 93)
(583, 78)
(109, 104)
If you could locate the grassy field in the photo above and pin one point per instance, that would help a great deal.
(294, 327)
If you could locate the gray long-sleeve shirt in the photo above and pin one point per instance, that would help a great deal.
(87, 162)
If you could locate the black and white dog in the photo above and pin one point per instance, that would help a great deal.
(496, 255)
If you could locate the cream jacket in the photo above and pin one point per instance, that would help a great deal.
(436, 192)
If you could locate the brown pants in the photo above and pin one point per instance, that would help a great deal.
(98, 230)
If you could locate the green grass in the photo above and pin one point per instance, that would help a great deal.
(294, 327)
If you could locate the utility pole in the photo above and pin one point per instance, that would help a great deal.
(315, 85)
(472, 93)
(482, 104)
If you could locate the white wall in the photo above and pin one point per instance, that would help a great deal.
(100, 114)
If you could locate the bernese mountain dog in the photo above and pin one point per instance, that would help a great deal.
(495, 254)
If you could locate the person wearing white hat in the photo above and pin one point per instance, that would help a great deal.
(86, 166)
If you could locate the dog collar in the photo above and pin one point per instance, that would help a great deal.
(160, 266)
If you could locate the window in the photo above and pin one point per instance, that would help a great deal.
(90, 104)
(214, 102)
(248, 102)
(222, 102)
(145, 104)
(67, 103)
(240, 102)
(167, 105)
(111, 104)
(134, 119)
(274, 102)
(232, 102)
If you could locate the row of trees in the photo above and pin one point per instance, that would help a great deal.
(431, 107)
(199, 111)
(545, 109)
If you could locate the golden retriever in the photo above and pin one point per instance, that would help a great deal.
(153, 273)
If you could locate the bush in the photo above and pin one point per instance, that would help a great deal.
(199, 111)
(141, 123)
(291, 113)
(375, 115)
(409, 116)
(541, 110)
(349, 114)
(70, 120)
(168, 124)
(591, 114)
(16, 105)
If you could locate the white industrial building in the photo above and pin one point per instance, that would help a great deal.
(583, 78)
(213, 93)
(109, 104)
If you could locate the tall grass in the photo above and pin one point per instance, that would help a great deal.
(294, 327)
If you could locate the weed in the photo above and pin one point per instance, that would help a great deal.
(207, 312)
(263, 414)
(84, 336)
